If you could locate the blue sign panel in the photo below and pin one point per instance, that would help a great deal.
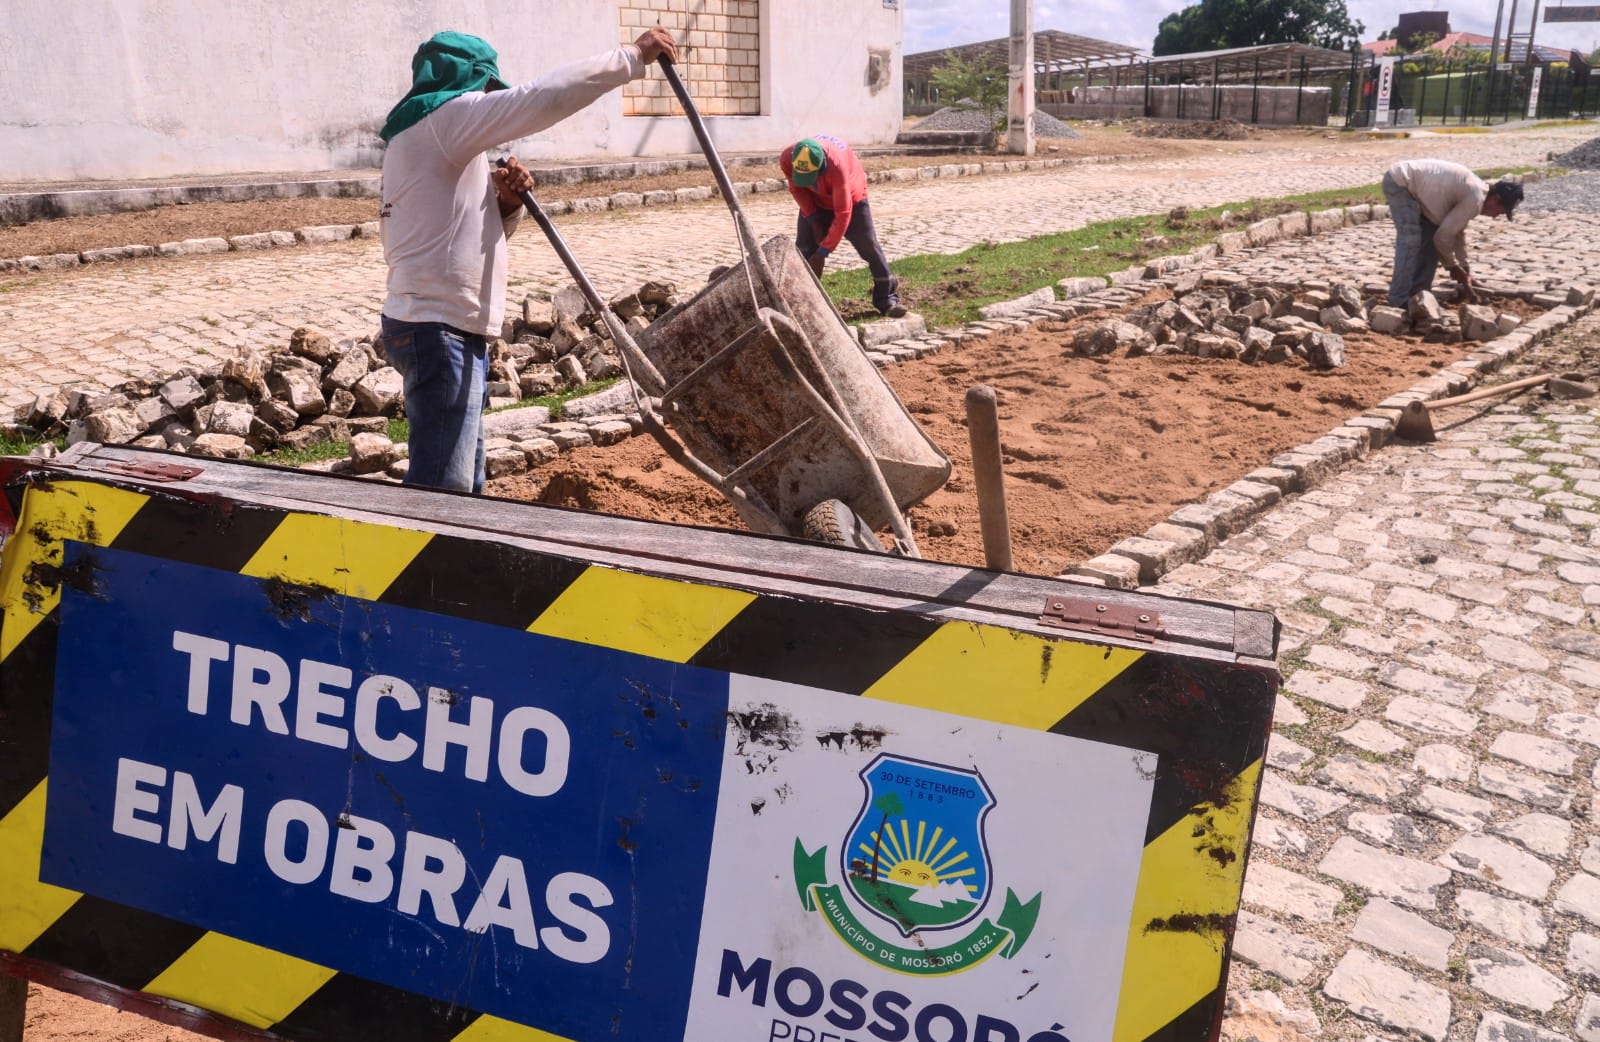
(515, 823)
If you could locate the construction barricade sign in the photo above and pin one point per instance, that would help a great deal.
(285, 771)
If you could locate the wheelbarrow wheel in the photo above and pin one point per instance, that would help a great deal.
(831, 522)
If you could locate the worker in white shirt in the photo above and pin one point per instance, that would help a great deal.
(445, 218)
(1430, 202)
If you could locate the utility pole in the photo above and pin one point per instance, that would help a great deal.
(1019, 110)
(1494, 61)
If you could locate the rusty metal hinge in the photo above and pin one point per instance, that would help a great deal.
(155, 471)
(1095, 616)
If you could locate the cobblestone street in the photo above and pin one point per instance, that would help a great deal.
(1425, 859)
(107, 322)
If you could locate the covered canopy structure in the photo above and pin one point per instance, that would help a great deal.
(1245, 64)
(1055, 54)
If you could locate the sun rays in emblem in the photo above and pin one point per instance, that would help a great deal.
(930, 859)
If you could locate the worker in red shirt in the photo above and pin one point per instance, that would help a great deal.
(827, 180)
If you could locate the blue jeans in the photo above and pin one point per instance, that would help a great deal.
(446, 376)
(1416, 257)
(860, 233)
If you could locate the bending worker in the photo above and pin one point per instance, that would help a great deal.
(1430, 202)
(444, 224)
(827, 180)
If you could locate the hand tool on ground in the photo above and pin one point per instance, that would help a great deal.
(1416, 419)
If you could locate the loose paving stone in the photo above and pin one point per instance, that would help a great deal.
(1497, 862)
(1303, 801)
(1373, 737)
(1587, 1023)
(1272, 834)
(1387, 995)
(1392, 830)
(1407, 880)
(1541, 754)
(1580, 896)
(1371, 781)
(1512, 978)
(1280, 890)
(1522, 787)
(1276, 949)
(1516, 921)
(1338, 692)
(1580, 727)
(1497, 1027)
(1429, 686)
(1583, 954)
(1395, 931)
(1444, 763)
(1430, 718)
(1286, 754)
(1543, 834)
(1455, 808)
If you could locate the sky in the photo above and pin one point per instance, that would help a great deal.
(934, 24)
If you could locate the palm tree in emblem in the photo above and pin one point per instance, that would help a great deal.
(889, 804)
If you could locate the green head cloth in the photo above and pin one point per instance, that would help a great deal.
(449, 65)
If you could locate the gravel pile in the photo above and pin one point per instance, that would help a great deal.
(1046, 125)
(957, 117)
(970, 118)
(1580, 192)
(1585, 157)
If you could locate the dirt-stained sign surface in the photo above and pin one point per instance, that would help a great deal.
(282, 773)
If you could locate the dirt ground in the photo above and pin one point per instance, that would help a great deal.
(1095, 449)
(198, 220)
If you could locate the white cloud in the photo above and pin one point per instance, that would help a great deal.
(934, 24)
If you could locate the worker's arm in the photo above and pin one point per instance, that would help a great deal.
(474, 122)
(1451, 238)
(839, 191)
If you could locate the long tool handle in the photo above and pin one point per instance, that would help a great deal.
(632, 355)
(741, 224)
(1487, 392)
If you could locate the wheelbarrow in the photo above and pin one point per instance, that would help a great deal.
(757, 387)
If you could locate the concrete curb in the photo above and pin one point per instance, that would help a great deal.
(321, 235)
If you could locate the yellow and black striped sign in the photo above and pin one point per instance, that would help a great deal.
(1206, 721)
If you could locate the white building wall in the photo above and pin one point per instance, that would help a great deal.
(127, 89)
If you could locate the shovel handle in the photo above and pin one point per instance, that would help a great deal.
(1487, 392)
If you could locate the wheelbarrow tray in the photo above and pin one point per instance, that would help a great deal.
(746, 405)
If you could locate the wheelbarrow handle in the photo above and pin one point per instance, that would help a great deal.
(619, 333)
(741, 224)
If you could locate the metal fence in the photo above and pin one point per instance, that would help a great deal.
(1427, 91)
(1328, 90)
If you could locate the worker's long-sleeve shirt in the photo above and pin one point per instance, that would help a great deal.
(1450, 195)
(443, 236)
(842, 184)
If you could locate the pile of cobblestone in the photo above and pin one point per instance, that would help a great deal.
(1585, 157)
(1220, 314)
(318, 391)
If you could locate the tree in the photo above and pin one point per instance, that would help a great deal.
(889, 804)
(983, 83)
(1212, 25)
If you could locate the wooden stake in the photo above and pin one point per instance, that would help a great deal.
(983, 429)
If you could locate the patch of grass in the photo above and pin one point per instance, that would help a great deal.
(23, 446)
(1354, 900)
(555, 402)
(1458, 130)
(1561, 123)
(311, 454)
